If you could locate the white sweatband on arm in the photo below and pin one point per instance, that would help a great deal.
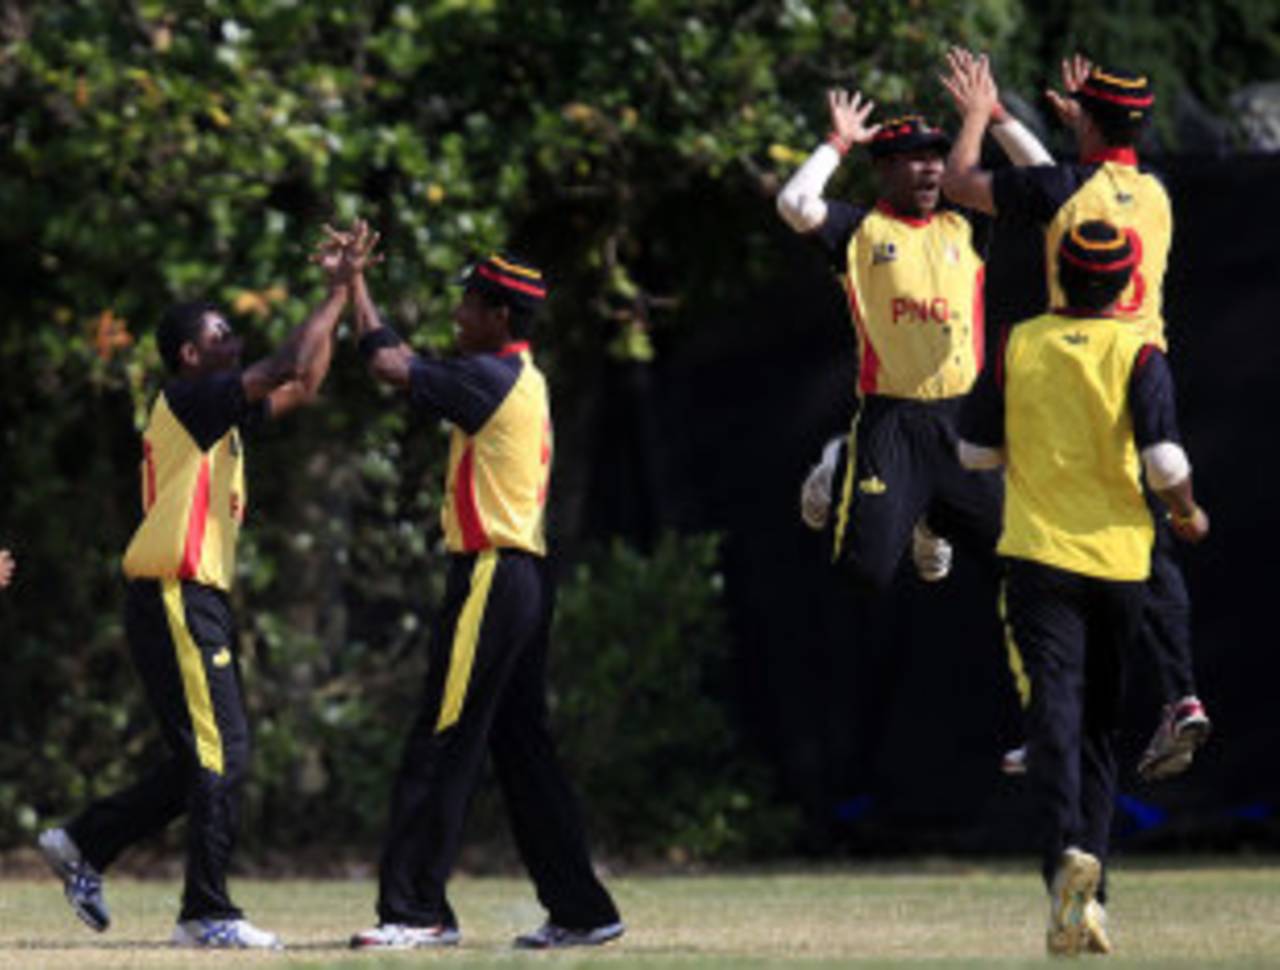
(800, 202)
(1166, 464)
(1022, 147)
(979, 458)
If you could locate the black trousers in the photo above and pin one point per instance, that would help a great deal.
(1166, 613)
(183, 642)
(1074, 632)
(902, 465)
(486, 687)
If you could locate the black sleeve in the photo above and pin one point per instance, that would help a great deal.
(842, 221)
(463, 390)
(980, 226)
(1035, 193)
(209, 407)
(1151, 399)
(982, 416)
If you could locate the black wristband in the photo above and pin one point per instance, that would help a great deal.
(375, 340)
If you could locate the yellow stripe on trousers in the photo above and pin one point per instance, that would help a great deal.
(846, 491)
(465, 637)
(1021, 682)
(194, 683)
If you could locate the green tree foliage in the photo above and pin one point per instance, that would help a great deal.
(156, 150)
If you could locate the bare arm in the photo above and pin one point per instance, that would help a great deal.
(1189, 521)
(974, 90)
(388, 363)
(303, 359)
(6, 567)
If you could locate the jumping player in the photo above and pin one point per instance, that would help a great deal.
(486, 679)
(1076, 401)
(1106, 110)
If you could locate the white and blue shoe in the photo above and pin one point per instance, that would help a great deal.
(81, 883)
(223, 934)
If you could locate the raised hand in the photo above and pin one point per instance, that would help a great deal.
(344, 255)
(1075, 71)
(849, 115)
(970, 83)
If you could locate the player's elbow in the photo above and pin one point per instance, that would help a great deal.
(1166, 465)
(800, 210)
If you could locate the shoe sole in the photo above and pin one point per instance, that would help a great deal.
(1177, 758)
(63, 872)
(358, 944)
(607, 936)
(1080, 878)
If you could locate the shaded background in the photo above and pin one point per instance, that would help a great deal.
(714, 695)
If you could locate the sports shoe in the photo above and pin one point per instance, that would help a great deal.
(931, 553)
(1095, 929)
(1074, 885)
(81, 883)
(223, 934)
(1183, 728)
(1014, 761)
(548, 936)
(399, 936)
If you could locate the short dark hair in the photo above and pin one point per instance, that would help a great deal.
(179, 325)
(1095, 263)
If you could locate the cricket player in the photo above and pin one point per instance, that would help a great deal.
(1077, 401)
(486, 679)
(182, 636)
(1106, 109)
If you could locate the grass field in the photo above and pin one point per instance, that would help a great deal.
(944, 914)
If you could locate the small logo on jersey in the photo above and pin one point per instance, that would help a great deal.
(883, 253)
(872, 486)
(951, 253)
(1124, 198)
(222, 658)
(1075, 339)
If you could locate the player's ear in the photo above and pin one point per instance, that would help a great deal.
(189, 355)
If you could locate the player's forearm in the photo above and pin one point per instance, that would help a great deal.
(1019, 144)
(963, 181)
(800, 202)
(314, 347)
(367, 316)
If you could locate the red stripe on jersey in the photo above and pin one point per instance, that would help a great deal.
(868, 360)
(511, 349)
(474, 538)
(887, 208)
(197, 519)
(1121, 154)
(979, 318)
(149, 476)
(1144, 355)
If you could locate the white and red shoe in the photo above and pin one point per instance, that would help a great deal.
(1183, 728)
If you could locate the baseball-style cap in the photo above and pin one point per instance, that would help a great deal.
(906, 134)
(1099, 249)
(1119, 95)
(510, 279)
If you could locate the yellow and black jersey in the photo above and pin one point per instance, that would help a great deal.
(500, 451)
(193, 485)
(1073, 400)
(915, 291)
(1113, 188)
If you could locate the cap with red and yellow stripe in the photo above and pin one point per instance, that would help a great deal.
(509, 279)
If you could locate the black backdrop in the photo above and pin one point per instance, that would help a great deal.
(895, 748)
